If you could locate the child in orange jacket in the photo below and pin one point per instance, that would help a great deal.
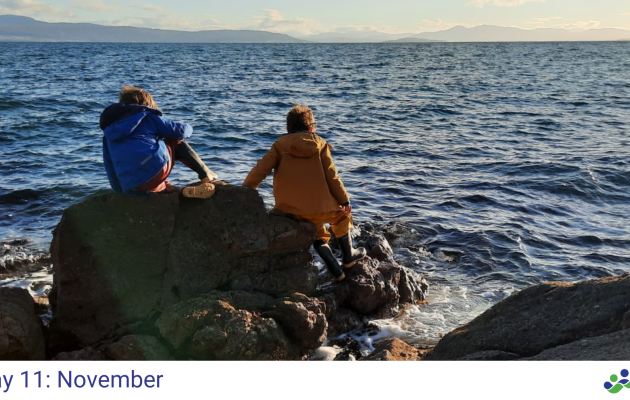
(306, 184)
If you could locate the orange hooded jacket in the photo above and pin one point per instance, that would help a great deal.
(305, 180)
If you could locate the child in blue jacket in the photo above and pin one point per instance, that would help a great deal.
(140, 148)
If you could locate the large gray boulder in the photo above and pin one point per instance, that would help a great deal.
(119, 260)
(576, 320)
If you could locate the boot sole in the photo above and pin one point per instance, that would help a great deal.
(203, 191)
(352, 264)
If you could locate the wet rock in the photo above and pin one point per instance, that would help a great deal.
(368, 287)
(87, 354)
(21, 335)
(344, 321)
(395, 350)
(18, 258)
(350, 349)
(413, 288)
(334, 295)
(376, 245)
(543, 317)
(119, 260)
(138, 348)
(373, 288)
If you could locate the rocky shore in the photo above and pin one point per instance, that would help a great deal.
(162, 277)
(167, 278)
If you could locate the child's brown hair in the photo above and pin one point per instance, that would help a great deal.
(300, 119)
(134, 95)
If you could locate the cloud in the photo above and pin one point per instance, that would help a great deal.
(627, 14)
(29, 7)
(542, 22)
(94, 5)
(500, 3)
(152, 8)
(580, 25)
(562, 23)
(545, 20)
(274, 21)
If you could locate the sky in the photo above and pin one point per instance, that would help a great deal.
(317, 16)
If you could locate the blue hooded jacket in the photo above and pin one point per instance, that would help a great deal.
(133, 146)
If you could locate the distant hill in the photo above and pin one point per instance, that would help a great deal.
(414, 40)
(490, 33)
(17, 28)
(354, 36)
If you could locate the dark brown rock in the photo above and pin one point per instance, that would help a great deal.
(368, 287)
(21, 335)
(395, 350)
(491, 355)
(343, 321)
(87, 354)
(373, 288)
(19, 297)
(138, 348)
(542, 317)
(214, 279)
(210, 329)
(413, 287)
(109, 255)
(303, 319)
(378, 247)
(120, 260)
(610, 347)
(625, 323)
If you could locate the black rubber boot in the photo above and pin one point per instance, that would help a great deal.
(325, 252)
(350, 254)
(185, 154)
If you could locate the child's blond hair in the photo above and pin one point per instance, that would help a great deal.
(134, 95)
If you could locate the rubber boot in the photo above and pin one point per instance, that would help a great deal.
(350, 254)
(186, 155)
(325, 252)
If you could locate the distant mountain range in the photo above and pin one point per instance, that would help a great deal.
(490, 33)
(18, 28)
(354, 36)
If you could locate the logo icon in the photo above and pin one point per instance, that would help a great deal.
(615, 385)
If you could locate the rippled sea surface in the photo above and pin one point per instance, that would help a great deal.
(501, 165)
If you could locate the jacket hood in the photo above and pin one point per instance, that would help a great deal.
(119, 120)
(303, 144)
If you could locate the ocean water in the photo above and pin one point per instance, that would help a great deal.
(497, 165)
